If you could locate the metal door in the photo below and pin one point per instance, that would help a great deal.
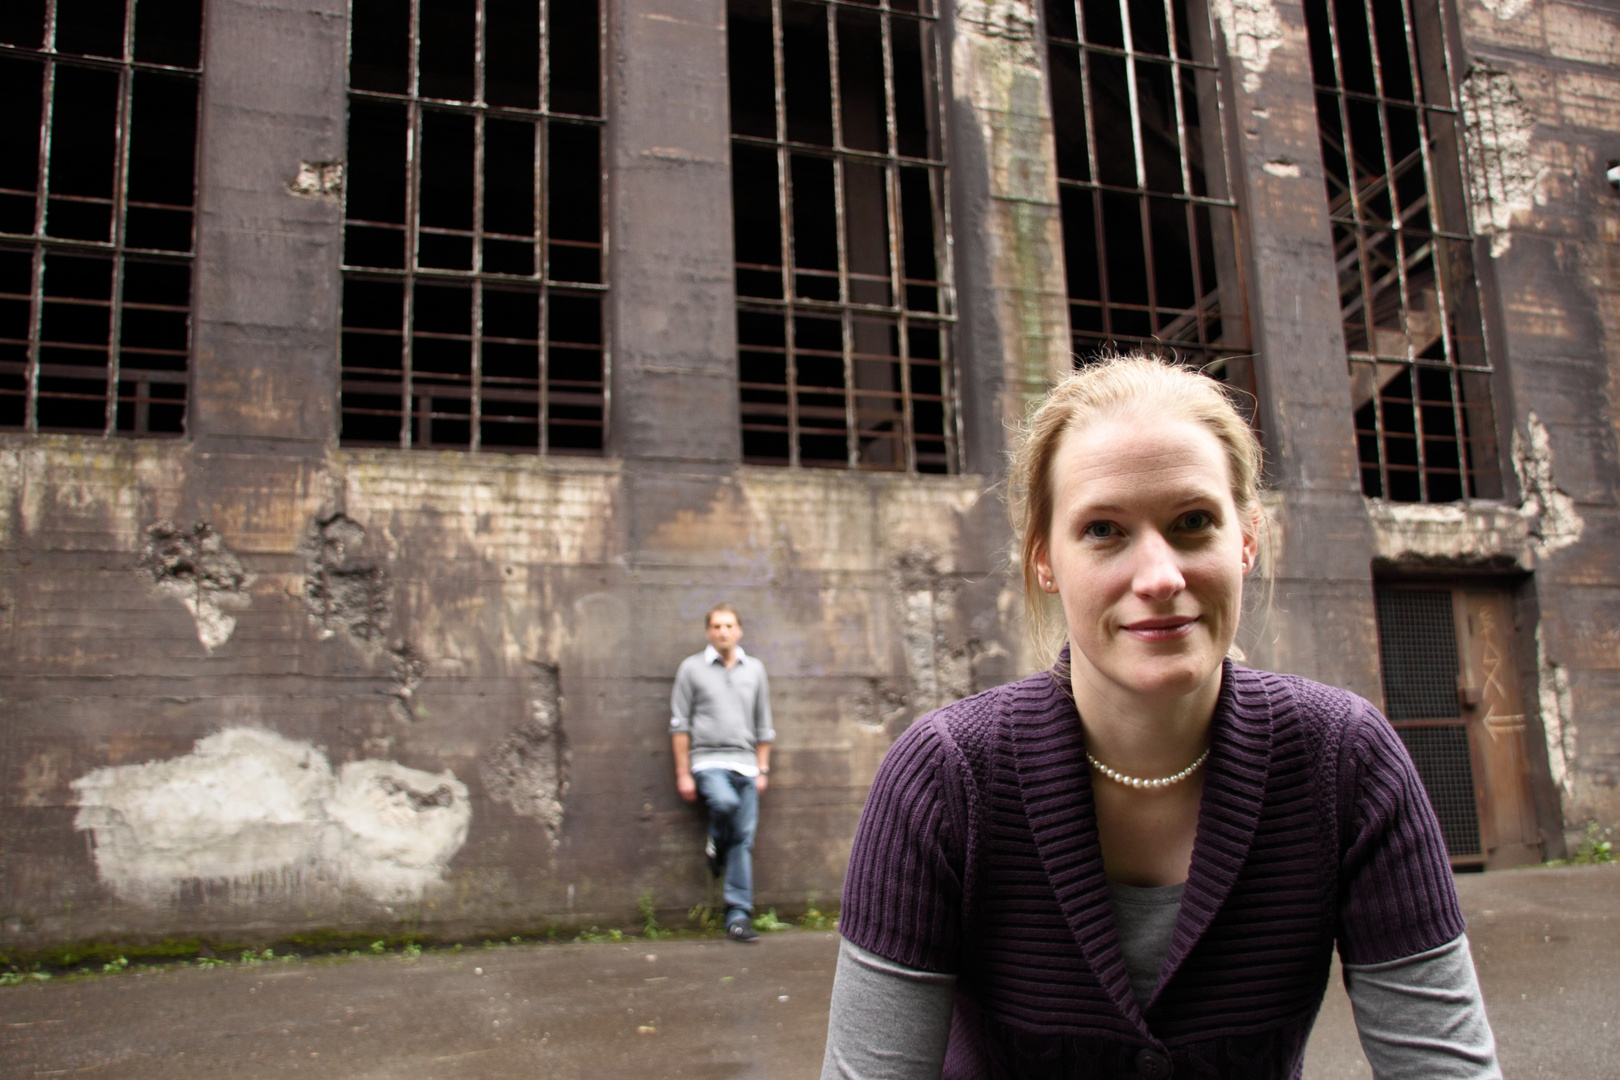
(1452, 690)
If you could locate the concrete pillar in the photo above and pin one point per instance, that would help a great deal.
(267, 283)
(674, 329)
(1323, 624)
(1014, 332)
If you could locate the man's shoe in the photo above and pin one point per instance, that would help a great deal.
(741, 930)
(716, 867)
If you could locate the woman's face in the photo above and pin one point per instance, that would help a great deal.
(1147, 553)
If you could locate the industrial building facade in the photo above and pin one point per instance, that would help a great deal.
(389, 387)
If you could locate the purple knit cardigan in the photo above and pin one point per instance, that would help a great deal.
(977, 854)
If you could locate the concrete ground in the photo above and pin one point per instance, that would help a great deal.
(1547, 943)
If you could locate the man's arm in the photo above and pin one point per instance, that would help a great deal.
(764, 732)
(682, 744)
(680, 734)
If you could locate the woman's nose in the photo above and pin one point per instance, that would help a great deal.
(1157, 573)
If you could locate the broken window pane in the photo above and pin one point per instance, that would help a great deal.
(96, 239)
(1149, 223)
(1413, 327)
(845, 306)
(473, 246)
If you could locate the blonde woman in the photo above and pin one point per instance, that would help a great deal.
(1138, 864)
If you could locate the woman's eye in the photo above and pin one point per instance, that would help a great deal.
(1100, 530)
(1198, 520)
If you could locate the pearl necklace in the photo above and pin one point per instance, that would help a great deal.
(1137, 782)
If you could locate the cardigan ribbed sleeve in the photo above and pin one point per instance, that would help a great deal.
(903, 895)
(1396, 893)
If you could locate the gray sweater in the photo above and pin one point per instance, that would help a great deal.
(725, 711)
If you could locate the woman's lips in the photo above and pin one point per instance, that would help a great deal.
(1168, 629)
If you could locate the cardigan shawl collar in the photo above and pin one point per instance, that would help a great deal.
(1055, 781)
(978, 853)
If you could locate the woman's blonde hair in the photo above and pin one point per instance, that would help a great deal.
(1126, 384)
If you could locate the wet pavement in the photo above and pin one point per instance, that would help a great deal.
(1547, 943)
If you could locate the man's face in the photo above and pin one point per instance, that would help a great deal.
(724, 632)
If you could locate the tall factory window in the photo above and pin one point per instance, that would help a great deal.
(845, 305)
(473, 251)
(1149, 223)
(98, 120)
(1386, 107)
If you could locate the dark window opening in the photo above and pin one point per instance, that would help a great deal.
(845, 307)
(1149, 224)
(97, 207)
(474, 275)
(1413, 327)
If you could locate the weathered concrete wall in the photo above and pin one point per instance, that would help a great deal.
(437, 689)
(1543, 107)
(251, 683)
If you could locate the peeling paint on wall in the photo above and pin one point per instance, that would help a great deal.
(318, 180)
(408, 671)
(1504, 177)
(1506, 9)
(344, 593)
(1010, 22)
(1451, 533)
(879, 705)
(1557, 717)
(194, 566)
(528, 770)
(1252, 31)
(254, 809)
(1553, 521)
(940, 670)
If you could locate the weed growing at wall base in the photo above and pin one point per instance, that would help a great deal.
(813, 919)
(14, 978)
(768, 922)
(649, 918)
(1596, 848)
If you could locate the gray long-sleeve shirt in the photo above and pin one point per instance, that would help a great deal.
(726, 711)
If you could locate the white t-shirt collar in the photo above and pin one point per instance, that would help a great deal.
(712, 654)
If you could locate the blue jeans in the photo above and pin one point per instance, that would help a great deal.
(733, 803)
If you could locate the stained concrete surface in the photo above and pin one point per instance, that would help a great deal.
(1545, 942)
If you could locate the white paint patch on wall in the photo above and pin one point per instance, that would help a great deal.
(249, 805)
(1506, 9)
(1504, 177)
(1252, 31)
(1557, 716)
(1554, 522)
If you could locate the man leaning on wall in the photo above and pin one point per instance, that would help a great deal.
(720, 727)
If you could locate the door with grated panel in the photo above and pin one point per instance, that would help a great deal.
(1452, 691)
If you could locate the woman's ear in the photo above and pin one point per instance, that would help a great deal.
(1251, 543)
(1043, 571)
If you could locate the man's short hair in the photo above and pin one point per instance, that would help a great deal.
(719, 609)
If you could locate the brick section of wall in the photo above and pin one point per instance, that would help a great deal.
(1561, 299)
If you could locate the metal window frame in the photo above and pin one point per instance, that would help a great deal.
(789, 307)
(476, 279)
(1355, 263)
(1216, 353)
(40, 242)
